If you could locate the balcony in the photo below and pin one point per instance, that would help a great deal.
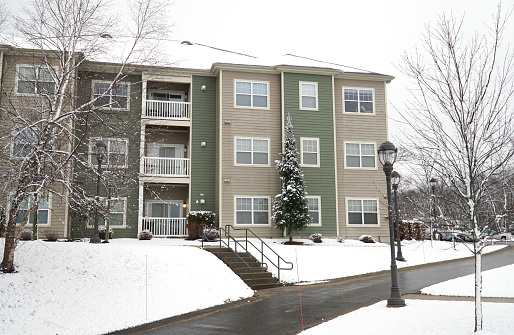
(170, 110)
(166, 167)
(166, 226)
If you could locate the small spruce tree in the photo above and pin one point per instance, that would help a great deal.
(290, 206)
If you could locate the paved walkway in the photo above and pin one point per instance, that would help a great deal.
(277, 311)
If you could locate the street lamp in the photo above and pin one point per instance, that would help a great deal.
(396, 180)
(100, 149)
(387, 156)
(433, 183)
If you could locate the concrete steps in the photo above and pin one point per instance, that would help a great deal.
(253, 269)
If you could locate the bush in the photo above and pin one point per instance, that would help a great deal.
(26, 235)
(101, 232)
(195, 219)
(50, 236)
(366, 239)
(210, 233)
(340, 239)
(145, 235)
(316, 237)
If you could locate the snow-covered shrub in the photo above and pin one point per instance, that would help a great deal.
(145, 235)
(211, 233)
(101, 232)
(50, 236)
(316, 237)
(340, 239)
(366, 239)
(26, 235)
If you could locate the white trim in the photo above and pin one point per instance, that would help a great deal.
(301, 95)
(219, 154)
(359, 88)
(182, 95)
(301, 152)
(55, 71)
(90, 151)
(360, 156)
(110, 94)
(319, 224)
(251, 152)
(336, 167)
(251, 94)
(363, 224)
(252, 211)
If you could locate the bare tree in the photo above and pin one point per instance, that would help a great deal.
(460, 114)
(3, 14)
(58, 37)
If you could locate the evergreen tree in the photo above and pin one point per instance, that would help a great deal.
(290, 206)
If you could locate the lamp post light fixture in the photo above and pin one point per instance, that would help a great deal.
(396, 180)
(387, 156)
(100, 149)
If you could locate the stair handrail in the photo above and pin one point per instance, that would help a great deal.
(261, 251)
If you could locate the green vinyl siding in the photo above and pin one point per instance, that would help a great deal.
(115, 124)
(319, 181)
(203, 128)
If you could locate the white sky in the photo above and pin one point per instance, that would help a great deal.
(365, 34)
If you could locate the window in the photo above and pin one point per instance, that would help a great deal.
(313, 204)
(164, 209)
(358, 101)
(310, 151)
(35, 80)
(117, 97)
(43, 210)
(252, 151)
(251, 94)
(360, 155)
(116, 212)
(252, 211)
(116, 154)
(362, 211)
(24, 142)
(309, 96)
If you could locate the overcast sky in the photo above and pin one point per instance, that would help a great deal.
(364, 34)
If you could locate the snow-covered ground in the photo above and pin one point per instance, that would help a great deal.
(83, 288)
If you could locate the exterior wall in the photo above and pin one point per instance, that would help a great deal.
(24, 102)
(319, 181)
(249, 123)
(115, 124)
(361, 183)
(203, 158)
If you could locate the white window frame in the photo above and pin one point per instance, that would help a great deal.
(18, 66)
(49, 209)
(302, 152)
(101, 221)
(105, 161)
(319, 209)
(14, 140)
(315, 96)
(110, 94)
(251, 151)
(181, 94)
(358, 101)
(178, 202)
(252, 211)
(360, 167)
(252, 94)
(363, 224)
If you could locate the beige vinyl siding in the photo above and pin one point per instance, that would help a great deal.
(251, 181)
(365, 183)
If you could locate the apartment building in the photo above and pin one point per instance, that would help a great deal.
(208, 139)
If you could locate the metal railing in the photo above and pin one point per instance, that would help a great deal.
(280, 263)
(166, 167)
(166, 226)
(168, 110)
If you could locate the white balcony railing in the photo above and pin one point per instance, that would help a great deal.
(168, 110)
(166, 167)
(166, 226)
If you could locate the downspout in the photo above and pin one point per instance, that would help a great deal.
(336, 170)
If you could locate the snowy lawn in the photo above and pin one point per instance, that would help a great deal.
(82, 288)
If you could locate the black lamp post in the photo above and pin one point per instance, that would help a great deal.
(396, 180)
(387, 155)
(100, 149)
(433, 183)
